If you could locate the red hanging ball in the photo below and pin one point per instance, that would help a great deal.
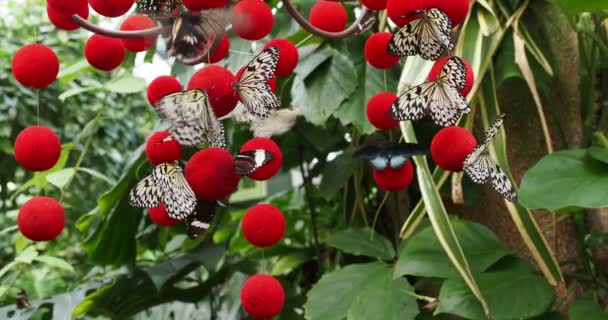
(252, 19)
(378, 111)
(374, 4)
(221, 51)
(37, 148)
(138, 22)
(211, 174)
(272, 82)
(162, 86)
(395, 180)
(35, 66)
(217, 81)
(111, 8)
(457, 10)
(62, 20)
(270, 169)
(263, 225)
(376, 51)
(159, 152)
(262, 296)
(328, 16)
(68, 7)
(399, 9)
(104, 53)
(160, 216)
(41, 219)
(288, 56)
(197, 5)
(469, 76)
(451, 146)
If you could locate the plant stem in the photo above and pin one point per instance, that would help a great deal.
(377, 214)
(311, 206)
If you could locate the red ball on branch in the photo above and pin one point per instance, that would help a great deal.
(288, 56)
(252, 19)
(160, 216)
(262, 296)
(217, 81)
(221, 51)
(197, 5)
(41, 219)
(35, 66)
(374, 4)
(37, 148)
(328, 16)
(138, 22)
(451, 146)
(104, 53)
(376, 51)
(263, 225)
(62, 20)
(211, 174)
(457, 10)
(159, 152)
(469, 76)
(162, 86)
(378, 108)
(270, 169)
(395, 179)
(68, 7)
(111, 8)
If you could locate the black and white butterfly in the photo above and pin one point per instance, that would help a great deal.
(439, 98)
(192, 119)
(482, 169)
(158, 8)
(429, 36)
(252, 86)
(200, 220)
(193, 35)
(166, 185)
(249, 161)
(394, 156)
(23, 301)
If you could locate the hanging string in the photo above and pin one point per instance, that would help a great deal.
(385, 85)
(37, 90)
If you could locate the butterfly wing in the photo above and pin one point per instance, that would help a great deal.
(493, 129)
(429, 36)
(399, 154)
(256, 94)
(412, 105)
(158, 8)
(447, 105)
(192, 35)
(179, 199)
(249, 161)
(502, 184)
(201, 219)
(376, 154)
(405, 42)
(454, 73)
(479, 165)
(147, 193)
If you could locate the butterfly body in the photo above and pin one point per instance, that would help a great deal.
(429, 36)
(394, 156)
(253, 88)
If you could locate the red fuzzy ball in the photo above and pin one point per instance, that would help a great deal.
(221, 51)
(263, 225)
(288, 56)
(41, 219)
(104, 53)
(376, 51)
(37, 148)
(159, 152)
(398, 9)
(68, 7)
(162, 86)
(35, 66)
(138, 22)
(262, 296)
(374, 4)
(197, 5)
(271, 168)
(469, 77)
(457, 10)
(328, 16)
(62, 20)
(395, 180)
(272, 82)
(160, 216)
(252, 19)
(111, 8)
(217, 81)
(378, 111)
(451, 146)
(211, 174)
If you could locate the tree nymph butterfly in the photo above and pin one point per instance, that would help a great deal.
(159, 8)
(249, 161)
(193, 35)
(382, 156)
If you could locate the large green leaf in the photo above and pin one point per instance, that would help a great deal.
(337, 173)
(360, 241)
(422, 254)
(127, 84)
(585, 308)
(510, 295)
(573, 7)
(565, 179)
(386, 300)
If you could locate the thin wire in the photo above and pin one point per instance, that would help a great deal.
(385, 85)
(303, 40)
(37, 90)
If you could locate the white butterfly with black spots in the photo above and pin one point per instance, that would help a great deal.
(382, 156)
(248, 162)
(158, 8)
(166, 185)
(252, 86)
(482, 169)
(439, 98)
(192, 36)
(192, 119)
(429, 36)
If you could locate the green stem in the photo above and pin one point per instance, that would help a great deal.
(377, 214)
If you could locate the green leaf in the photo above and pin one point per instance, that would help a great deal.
(573, 7)
(72, 71)
(289, 262)
(386, 300)
(76, 91)
(337, 173)
(61, 178)
(358, 241)
(127, 84)
(7, 268)
(97, 174)
(599, 154)
(510, 295)
(565, 179)
(27, 255)
(422, 254)
(585, 308)
(55, 262)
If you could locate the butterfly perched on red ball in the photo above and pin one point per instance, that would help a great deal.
(394, 156)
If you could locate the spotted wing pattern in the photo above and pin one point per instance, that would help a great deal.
(256, 94)
(158, 8)
(454, 72)
(192, 36)
(201, 219)
(249, 161)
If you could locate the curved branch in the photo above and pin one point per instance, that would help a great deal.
(363, 22)
(146, 33)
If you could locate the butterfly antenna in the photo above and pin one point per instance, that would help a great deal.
(414, 13)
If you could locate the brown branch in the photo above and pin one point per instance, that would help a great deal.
(364, 22)
(146, 33)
